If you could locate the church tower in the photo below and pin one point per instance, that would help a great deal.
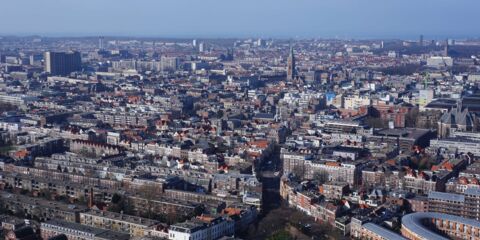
(291, 71)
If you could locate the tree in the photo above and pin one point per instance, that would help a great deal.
(376, 122)
(411, 118)
(149, 192)
(116, 198)
(281, 235)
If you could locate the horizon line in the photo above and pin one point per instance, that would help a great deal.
(239, 36)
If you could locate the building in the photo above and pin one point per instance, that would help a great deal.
(134, 226)
(354, 102)
(456, 145)
(458, 119)
(463, 205)
(373, 231)
(23, 233)
(431, 225)
(334, 190)
(425, 97)
(438, 62)
(62, 63)
(202, 228)
(448, 203)
(41, 209)
(77, 231)
(16, 99)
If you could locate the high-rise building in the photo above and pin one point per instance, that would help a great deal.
(169, 63)
(194, 43)
(201, 47)
(62, 63)
(101, 45)
(445, 51)
(291, 72)
(420, 42)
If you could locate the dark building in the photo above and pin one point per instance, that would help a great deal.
(62, 63)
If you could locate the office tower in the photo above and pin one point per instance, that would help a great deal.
(445, 51)
(62, 63)
(261, 42)
(169, 63)
(420, 42)
(291, 66)
(194, 43)
(201, 47)
(100, 43)
(36, 59)
(230, 55)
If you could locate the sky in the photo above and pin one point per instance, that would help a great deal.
(243, 18)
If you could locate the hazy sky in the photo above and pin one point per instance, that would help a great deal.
(243, 18)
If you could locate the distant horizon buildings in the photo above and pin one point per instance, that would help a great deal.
(62, 63)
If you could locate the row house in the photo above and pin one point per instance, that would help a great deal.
(40, 209)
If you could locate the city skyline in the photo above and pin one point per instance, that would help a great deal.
(231, 120)
(268, 18)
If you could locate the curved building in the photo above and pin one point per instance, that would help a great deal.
(439, 226)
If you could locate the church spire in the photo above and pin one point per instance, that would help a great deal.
(291, 72)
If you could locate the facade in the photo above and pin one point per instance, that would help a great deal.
(75, 231)
(134, 226)
(355, 102)
(62, 63)
(428, 225)
(39, 208)
(373, 231)
(463, 205)
(334, 190)
(457, 119)
(202, 228)
(456, 145)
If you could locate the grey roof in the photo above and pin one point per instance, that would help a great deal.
(457, 116)
(446, 196)
(264, 116)
(414, 222)
(472, 191)
(98, 233)
(383, 232)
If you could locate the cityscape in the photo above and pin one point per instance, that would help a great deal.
(225, 136)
